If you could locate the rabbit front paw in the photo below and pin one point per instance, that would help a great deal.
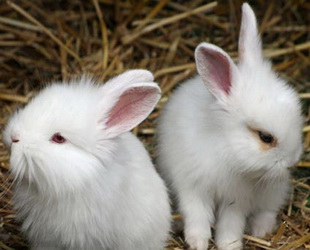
(263, 223)
(197, 239)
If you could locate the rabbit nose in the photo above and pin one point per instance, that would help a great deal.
(14, 139)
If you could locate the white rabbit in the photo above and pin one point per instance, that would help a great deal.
(226, 139)
(82, 180)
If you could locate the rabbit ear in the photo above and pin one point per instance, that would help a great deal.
(250, 49)
(216, 69)
(132, 101)
(132, 76)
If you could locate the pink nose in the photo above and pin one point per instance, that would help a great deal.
(15, 140)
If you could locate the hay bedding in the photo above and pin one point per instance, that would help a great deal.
(47, 40)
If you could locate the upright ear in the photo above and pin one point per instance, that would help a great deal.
(130, 77)
(133, 96)
(250, 49)
(216, 69)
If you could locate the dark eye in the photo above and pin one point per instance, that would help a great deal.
(266, 138)
(58, 138)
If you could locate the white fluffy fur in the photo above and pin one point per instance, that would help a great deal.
(98, 190)
(210, 157)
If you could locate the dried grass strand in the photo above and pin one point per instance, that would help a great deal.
(281, 52)
(19, 24)
(104, 34)
(296, 243)
(257, 240)
(14, 98)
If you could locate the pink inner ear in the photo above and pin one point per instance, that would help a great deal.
(132, 108)
(217, 71)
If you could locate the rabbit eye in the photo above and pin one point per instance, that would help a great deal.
(266, 138)
(58, 138)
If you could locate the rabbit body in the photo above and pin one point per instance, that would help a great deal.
(97, 188)
(225, 141)
(204, 168)
(120, 208)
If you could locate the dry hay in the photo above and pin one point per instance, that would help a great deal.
(47, 40)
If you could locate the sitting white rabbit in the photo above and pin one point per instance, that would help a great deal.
(82, 180)
(226, 140)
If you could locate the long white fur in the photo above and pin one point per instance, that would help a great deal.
(208, 153)
(99, 190)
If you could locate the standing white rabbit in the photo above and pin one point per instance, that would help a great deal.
(226, 140)
(82, 180)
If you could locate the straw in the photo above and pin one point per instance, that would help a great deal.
(42, 43)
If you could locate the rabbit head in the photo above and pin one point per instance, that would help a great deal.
(69, 131)
(258, 112)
